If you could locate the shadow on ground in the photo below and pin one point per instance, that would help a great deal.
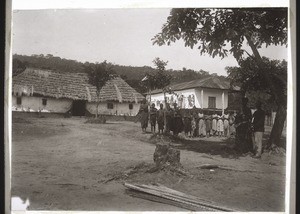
(225, 147)
(214, 146)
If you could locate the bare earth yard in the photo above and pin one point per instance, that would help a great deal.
(66, 164)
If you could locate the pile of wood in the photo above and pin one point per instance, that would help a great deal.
(163, 194)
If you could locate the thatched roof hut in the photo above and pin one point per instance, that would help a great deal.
(74, 86)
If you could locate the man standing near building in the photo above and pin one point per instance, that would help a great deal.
(143, 114)
(168, 118)
(153, 117)
(259, 128)
(161, 119)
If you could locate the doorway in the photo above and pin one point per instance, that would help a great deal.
(78, 108)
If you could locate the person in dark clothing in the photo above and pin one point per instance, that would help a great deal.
(208, 125)
(240, 132)
(169, 117)
(247, 118)
(143, 112)
(177, 125)
(153, 117)
(195, 120)
(161, 119)
(246, 110)
(187, 120)
(258, 128)
(243, 128)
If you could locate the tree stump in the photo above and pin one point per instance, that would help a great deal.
(165, 155)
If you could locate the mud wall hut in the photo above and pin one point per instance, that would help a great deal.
(37, 90)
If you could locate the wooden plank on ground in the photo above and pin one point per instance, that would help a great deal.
(182, 196)
(159, 194)
(178, 197)
(161, 200)
(162, 187)
(158, 199)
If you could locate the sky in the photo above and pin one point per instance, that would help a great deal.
(120, 36)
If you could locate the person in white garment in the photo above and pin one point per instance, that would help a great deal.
(202, 129)
(214, 123)
(226, 123)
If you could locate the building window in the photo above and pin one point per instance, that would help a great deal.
(19, 100)
(110, 105)
(44, 102)
(130, 106)
(211, 102)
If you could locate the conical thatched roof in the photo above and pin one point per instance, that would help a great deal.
(71, 85)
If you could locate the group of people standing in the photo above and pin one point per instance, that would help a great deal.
(250, 129)
(210, 123)
(193, 122)
(168, 119)
(247, 128)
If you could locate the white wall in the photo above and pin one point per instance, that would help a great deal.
(63, 105)
(118, 108)
(35, 103)
(214, 93)
(159, 98)
(197, 97)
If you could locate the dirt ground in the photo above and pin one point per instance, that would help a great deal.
(67, 164)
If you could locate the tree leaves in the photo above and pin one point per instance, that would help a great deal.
(212, 29)
(251, 80)
(160, 78)
(99, 74)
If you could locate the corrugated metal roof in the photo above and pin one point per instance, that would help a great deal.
(213, 82)
(73, 86)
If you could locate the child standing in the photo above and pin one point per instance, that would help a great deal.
(161, 119)
(193, 124)
(226, 123)
(208, 124)
(220, 125)
(214, 123)
(153, 115)
(168, 118)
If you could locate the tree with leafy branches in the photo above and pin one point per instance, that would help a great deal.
(98, 75)
(219, 32)
(158, 79)
(252, 82)
(162, 79)
(18, 67)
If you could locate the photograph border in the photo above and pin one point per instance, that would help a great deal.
(81, 4)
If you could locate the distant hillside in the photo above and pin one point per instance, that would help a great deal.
(132, 75)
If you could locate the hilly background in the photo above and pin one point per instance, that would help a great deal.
(132, 75)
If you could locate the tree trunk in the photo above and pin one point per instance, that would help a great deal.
(165, 156)
(262, 67)
(277, 127)
(97, 107)
(98, 101)
(165, 98)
